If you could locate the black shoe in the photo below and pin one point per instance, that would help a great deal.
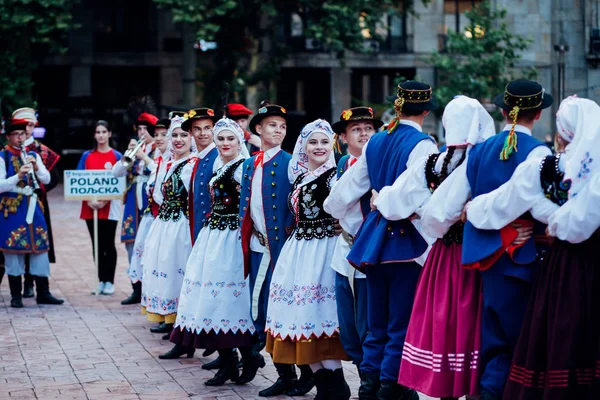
(304, 384)
(208, 352)
(322, 377)
(166, 336)
(43, 292)
(251, 362)
(162, 328)
(28, 286)
(228, 370)
(136, 295)
(391, 390)
(2, 269)
(14, 282)
(214, 364)
(177, 351)
(286, 381)
(369, 385)
(339, 389)
(487, 396)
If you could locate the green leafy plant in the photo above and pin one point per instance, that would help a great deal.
(480, 61)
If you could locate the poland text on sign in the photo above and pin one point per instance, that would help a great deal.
(91, 184)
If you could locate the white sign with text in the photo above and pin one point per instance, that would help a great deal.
(92, 184)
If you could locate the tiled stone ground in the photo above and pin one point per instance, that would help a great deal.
(92, 347)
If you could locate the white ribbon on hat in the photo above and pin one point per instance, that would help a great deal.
(466, 122)
(582, 155)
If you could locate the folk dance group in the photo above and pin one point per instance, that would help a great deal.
(465, 272)
(27, 173)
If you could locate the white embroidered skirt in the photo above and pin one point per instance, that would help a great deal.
(215, 296)
(302, 293)
(135, 270)
(166, 252)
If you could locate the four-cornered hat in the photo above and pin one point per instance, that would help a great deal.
(266, 110)
(163, 123)
(236, 111)
(520, 95)
(16, 124)
(147, 119)
(414, 95)
(198, 113)
(356, 114)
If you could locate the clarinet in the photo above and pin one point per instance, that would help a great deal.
(36, 185)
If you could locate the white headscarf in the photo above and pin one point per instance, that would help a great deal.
(176, 122)
(564, 124)
(226, 124)
(467, 122)
(579, 117)
(299, 163)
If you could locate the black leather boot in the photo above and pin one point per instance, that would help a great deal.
(339, 389)
(214, 364)
(251, 362)
(369, 385)
(304, 384)
(28, 286)
(136, 295)
(229, 370)
(2, 271)
(16, 300)
(177, 351)
(286, 381)
(43, 292)
(162, 328)
(391, 390)
(322, 377)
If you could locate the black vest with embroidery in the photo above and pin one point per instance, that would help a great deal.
(434, 180)
(551, 179)
(225, 194)
(312, 222)
(175, 203)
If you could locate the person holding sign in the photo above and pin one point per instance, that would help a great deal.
(137, 167)
(23, 229)
(169, 241)
(103, 157)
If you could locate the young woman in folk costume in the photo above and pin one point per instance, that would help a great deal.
(302, 322)
(169, 241)
(157, 166)
(214, 310)
(557, 354)
(442, 342)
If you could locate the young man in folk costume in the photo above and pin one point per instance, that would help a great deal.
(137, 173)
(355, 127)
(507, 271)
(387, 250)
(266, 224)
(50, 159)
(23, 228)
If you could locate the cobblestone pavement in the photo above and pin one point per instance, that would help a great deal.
(92, 347)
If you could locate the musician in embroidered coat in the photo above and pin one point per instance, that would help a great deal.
(302, 324)
(355, 128)
(507, 271)
(23, 229)
(136, 199)
(387, 250)
(554, 360)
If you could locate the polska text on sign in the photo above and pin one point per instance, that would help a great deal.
(93, 185)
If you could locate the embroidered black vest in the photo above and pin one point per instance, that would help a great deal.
(434, 180)
(175, 203)
(551, 179)
(312, 222)
(225, 193)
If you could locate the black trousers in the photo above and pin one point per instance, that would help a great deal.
(107, 252)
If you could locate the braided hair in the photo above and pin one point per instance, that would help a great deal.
(449, 153)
